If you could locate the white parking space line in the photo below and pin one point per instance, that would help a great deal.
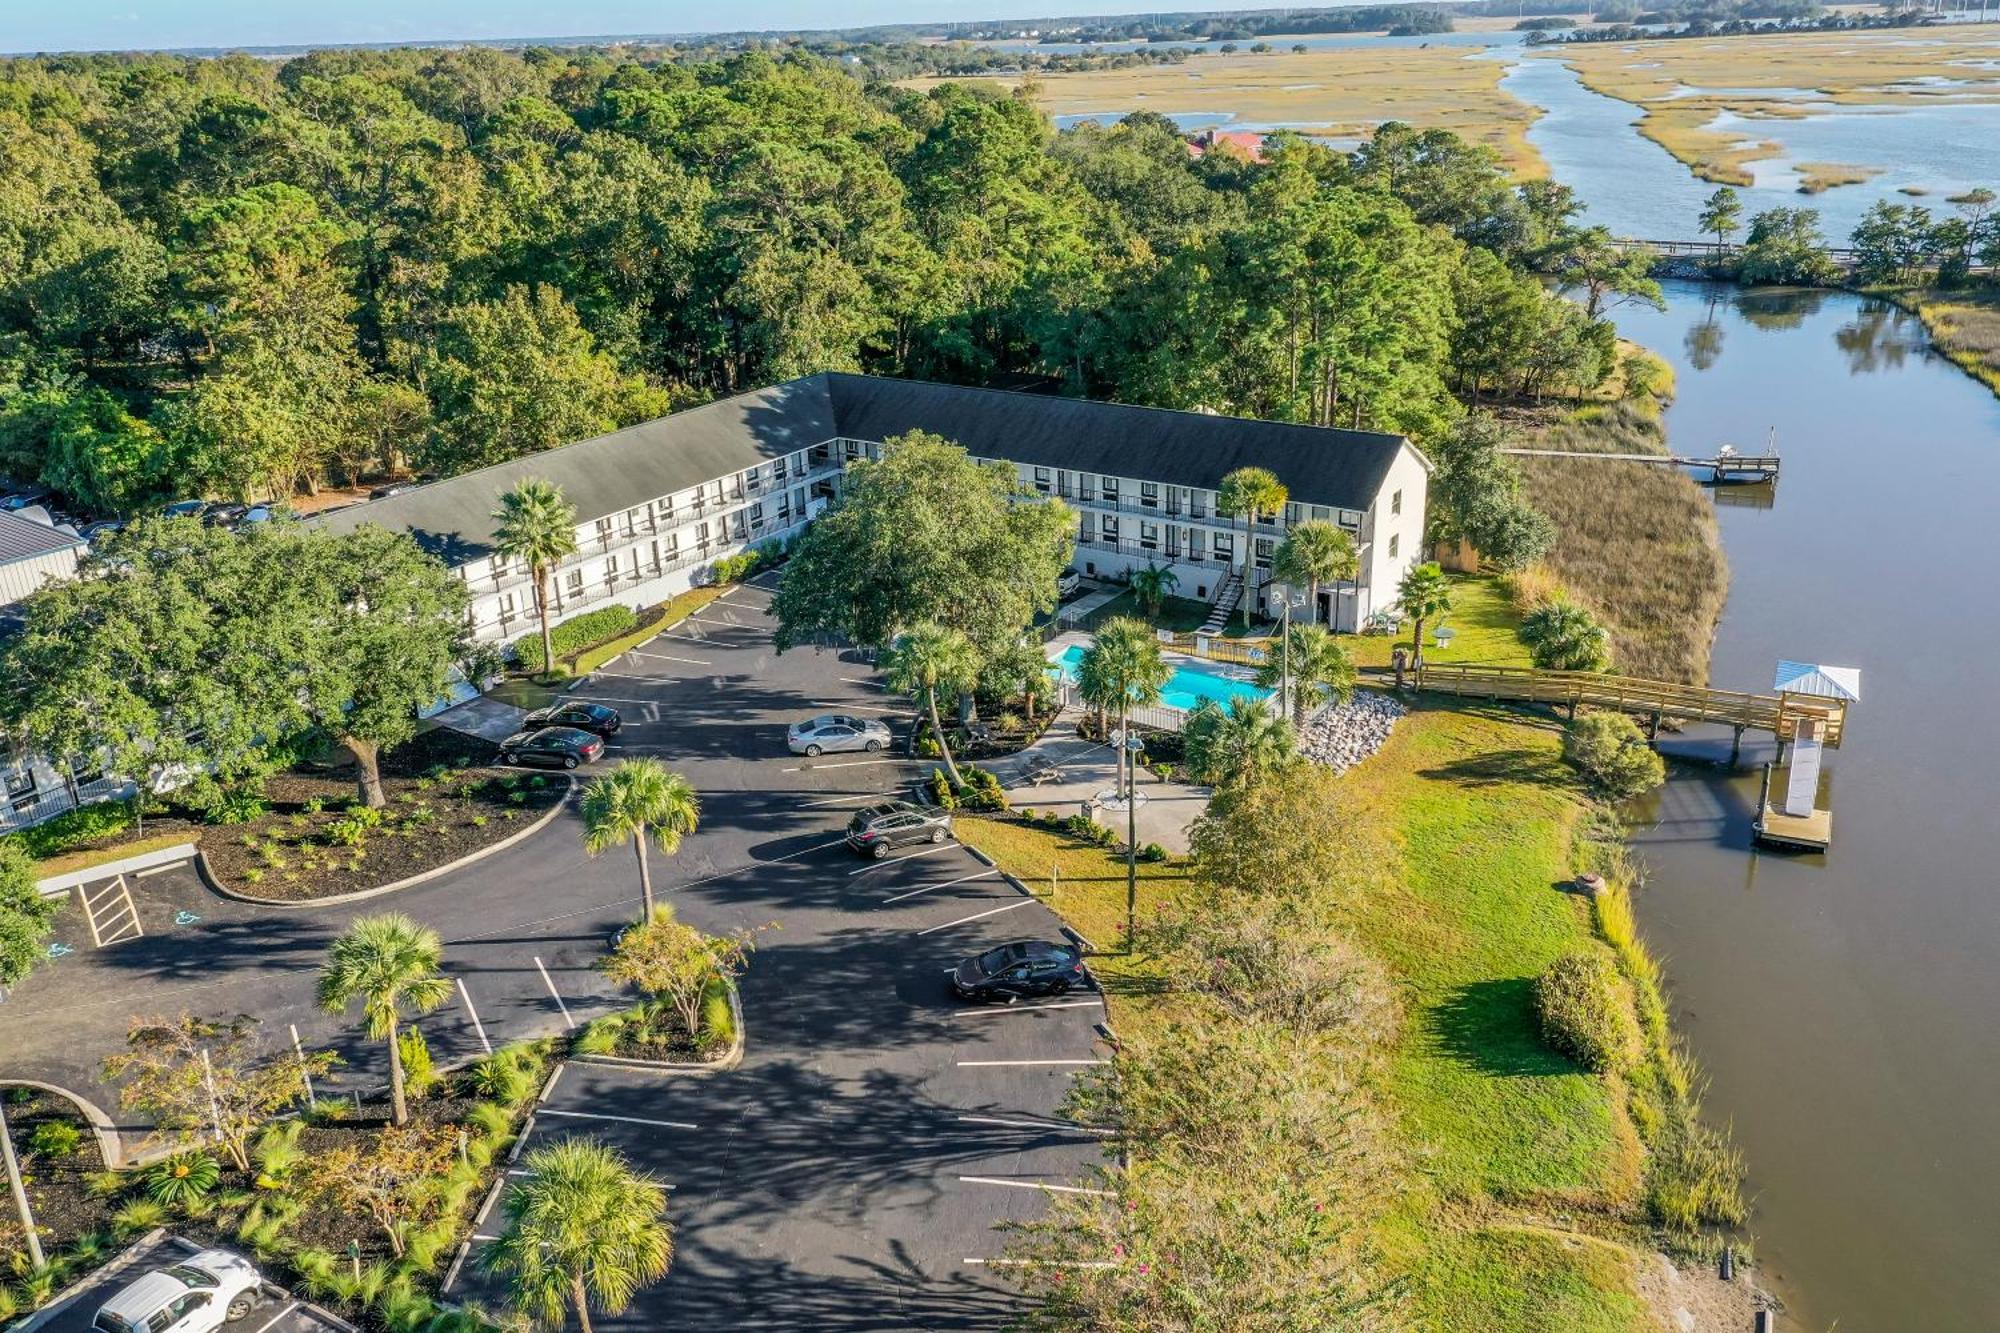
(996, 911)
(843, 800)
(1028, 1008)
(844, 703)
(627, 675)
(862, 680)
(1009, 1064)
(1032, 1124)
(610, 699)
(898, 860)
(981, 874)
(622, 1119)
(851, 763)
(266, 1325)
(1037, 1185)
(567, 1020)
(669, 657)
(110, 912)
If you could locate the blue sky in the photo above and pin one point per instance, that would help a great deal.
(64, 25)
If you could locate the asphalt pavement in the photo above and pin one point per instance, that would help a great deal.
(849, 1175)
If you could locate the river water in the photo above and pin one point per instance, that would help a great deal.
(1845, 1004)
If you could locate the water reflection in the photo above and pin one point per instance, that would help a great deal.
(1703, 341)
(1882, 337)
(1776, 309)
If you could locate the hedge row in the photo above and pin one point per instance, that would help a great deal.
(573, 636)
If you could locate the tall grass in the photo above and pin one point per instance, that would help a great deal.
(1638, 543)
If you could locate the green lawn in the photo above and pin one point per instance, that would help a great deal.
(1488, 629)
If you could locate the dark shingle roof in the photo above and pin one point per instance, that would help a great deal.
(1318, 465)
(23, 539)
(611, 473)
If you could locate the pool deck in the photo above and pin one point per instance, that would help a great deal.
(1179, 661)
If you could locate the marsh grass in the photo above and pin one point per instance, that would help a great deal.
(1819, 177)
(1965, 325)
(1638, 543)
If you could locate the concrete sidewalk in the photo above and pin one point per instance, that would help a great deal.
(483, 716)
(1088, 772)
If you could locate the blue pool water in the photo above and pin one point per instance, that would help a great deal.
(1187, 687)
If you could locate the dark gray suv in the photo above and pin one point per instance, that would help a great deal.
(874, 831)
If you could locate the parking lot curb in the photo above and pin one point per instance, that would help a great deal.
(436, 872)
(979, 856)
(729, 1059)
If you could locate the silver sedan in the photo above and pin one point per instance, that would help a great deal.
(835, 732)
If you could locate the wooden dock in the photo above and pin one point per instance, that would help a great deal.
(1721, 467)
(1654, 700)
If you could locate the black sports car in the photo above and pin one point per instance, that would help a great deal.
(551, 747)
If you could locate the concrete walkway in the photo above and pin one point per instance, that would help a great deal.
(483, 716)
(1088, 770)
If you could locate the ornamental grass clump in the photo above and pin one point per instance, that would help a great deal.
(1586, 1013)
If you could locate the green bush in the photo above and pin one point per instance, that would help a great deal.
(575, 635)
(419, 1076)
(1586, 1014)
(1563, 636)
(942, 793)
(718, 1020)
(735, 568)
(184, 1179)
(55, 1139)
(509, 1076)
(1152, 852)
(25, 914)
(72, 828)
(240, 806)
(1611, 752)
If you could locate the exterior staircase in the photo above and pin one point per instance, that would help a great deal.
(1226, 599)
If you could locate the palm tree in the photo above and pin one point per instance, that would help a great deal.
(1251, 492)
(1562, 636)
(582, 1227)
(538, 525)
(927, 660)
(637, 800)
(1123, 667)
(1425, 592)
(1020, 667)
(1151, 586)
(1226, 748)
(1318, 666)
(1313, 553)
(390, 964)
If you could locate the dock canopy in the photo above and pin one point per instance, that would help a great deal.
(1828, 682)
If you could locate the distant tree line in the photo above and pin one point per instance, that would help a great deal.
(1893, 244)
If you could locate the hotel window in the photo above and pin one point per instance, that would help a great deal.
(611, 569)
(1224, 546)
(1197, 504)
(1396, 503)
(1293, 514)
(1263, 549)
(604, 530)
(1111, 490)
(1321, 513)
(1087, 528)
(1110, 528)
(665, 507)
(1042, 480)
(576, 583)
(757, 515)
(1149, 494)
(673, 545)
(1350, 518)
(1149, 536)
(498, 564)
(1395, 540)
(851, 449)
(1086, 486)
(656, 557)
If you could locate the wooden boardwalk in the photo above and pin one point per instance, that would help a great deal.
(1654, 700)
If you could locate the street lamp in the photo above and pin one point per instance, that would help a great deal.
(1133, 745)
(1292, 598)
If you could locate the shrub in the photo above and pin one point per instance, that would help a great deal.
(278, 1151)
(419, 1077)
(576, 635)
(1563, 636)
(982, 791)
(25, 915)
(55, 1139)
(140, 1215)
(718, 1021)
(1152, 852)
(73, 828)
(348, 832)
(240, 806)
(942, 794)
(491, 1119)
(509, 1076)
(1586, 1014)
(1611, 752)
(185, 1178)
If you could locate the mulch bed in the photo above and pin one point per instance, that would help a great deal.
(56, 1182)
(443, 802)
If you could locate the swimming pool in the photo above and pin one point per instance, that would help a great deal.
(1187, 687)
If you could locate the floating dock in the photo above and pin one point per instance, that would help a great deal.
(1727, 468)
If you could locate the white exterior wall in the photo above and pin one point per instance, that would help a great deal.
(1395, 540)
(20, 579)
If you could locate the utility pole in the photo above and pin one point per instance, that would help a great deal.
(1131, 846)
(20, 1192)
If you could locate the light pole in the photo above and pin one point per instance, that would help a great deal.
(1292, 598)
(1132, 747)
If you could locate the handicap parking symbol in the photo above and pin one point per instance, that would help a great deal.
(186, 918)
(58, 949)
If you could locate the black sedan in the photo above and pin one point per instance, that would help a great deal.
(1026, 967)
(593, 718)
(551, 747)
(877, 829)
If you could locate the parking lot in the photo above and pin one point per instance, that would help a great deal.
(850, 1174)
(279, 1312)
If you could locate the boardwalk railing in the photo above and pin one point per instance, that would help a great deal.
(1655, 699)
(1843, 255)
